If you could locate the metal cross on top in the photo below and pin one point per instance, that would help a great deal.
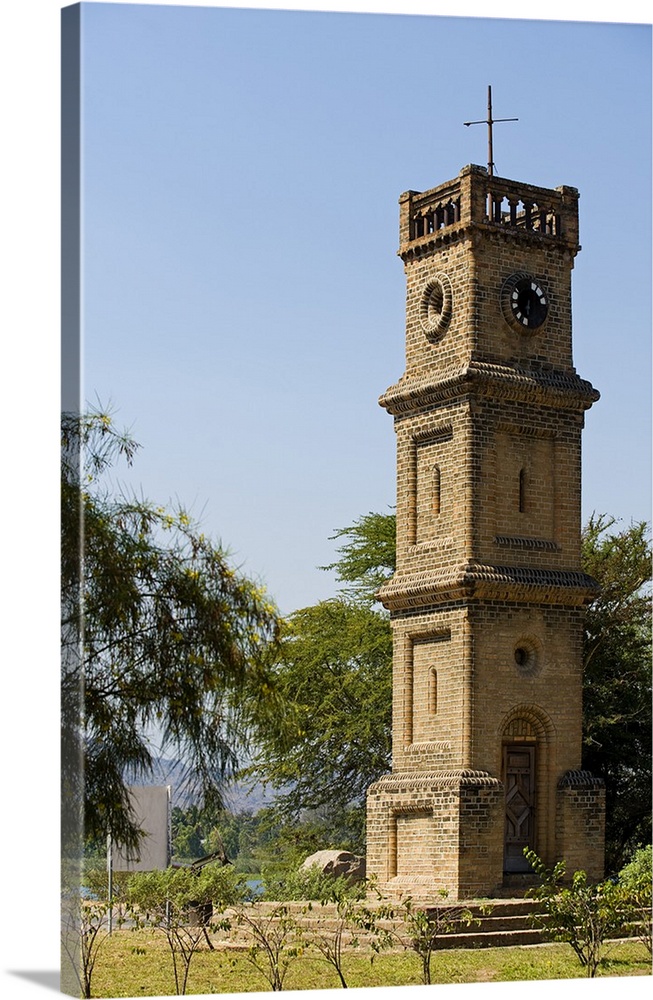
(489, 121)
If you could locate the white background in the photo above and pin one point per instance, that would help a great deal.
(30, 400)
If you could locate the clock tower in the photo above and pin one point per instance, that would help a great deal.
(488, 597)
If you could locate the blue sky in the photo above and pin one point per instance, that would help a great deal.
(288, 328)
(243, 302)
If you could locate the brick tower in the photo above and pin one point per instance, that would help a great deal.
(488, 598)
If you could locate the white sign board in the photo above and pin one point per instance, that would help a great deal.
(151, 808)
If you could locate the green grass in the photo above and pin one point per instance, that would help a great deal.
(138, 963)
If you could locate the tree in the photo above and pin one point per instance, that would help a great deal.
(197, 832)
(421, 929)
(369, 556)
(334, 677)
(277, 940)
(84, 930)
(237, 833)
(175, 901)
(617, 681)
(335, 929)
(159, 632)
(189, 830)
(581, 913)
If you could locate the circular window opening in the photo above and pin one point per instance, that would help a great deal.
(527, 658)
(435, 305)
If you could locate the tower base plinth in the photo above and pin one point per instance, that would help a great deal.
(429, 832)
(580, 823)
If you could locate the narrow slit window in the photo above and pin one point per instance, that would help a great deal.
(433, 691)
(437, 488)
(522, 491)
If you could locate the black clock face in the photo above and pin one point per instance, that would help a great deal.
(524, 302)
(528, 304)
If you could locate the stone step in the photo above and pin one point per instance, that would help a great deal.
(491, 938)
(509, 924)
(512, 922)
(496, 923)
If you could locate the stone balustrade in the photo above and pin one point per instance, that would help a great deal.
(476, 198)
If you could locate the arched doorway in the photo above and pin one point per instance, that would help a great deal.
(526, 736)
(520, 811)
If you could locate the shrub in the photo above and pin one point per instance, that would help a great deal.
(308, 884)
(277, 940)
(422, 928)
(635, 883)
(578, 912)
(180, 903)
(96, 881)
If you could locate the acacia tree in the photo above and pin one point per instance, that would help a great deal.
(333, 738)
(334, 677)
(159, 632)
(368, 557)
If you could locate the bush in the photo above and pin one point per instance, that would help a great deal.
(639, 869)
(578, 912)
(423, 928)
(96, 881)
(181, 902)
(308, 884)
(277, 941)
(635, 883)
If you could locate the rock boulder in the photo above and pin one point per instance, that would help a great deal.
(338, 863)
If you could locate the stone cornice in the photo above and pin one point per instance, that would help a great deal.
(479, 581)
(425, 245)
(422, 780)
(544, 387)
(580, 779)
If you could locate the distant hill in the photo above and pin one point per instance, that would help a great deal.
(239, 796)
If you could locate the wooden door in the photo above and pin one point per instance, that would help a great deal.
(519, 782)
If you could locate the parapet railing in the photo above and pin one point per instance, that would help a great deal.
(435, 217)
(521, 210)
(476, 197)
